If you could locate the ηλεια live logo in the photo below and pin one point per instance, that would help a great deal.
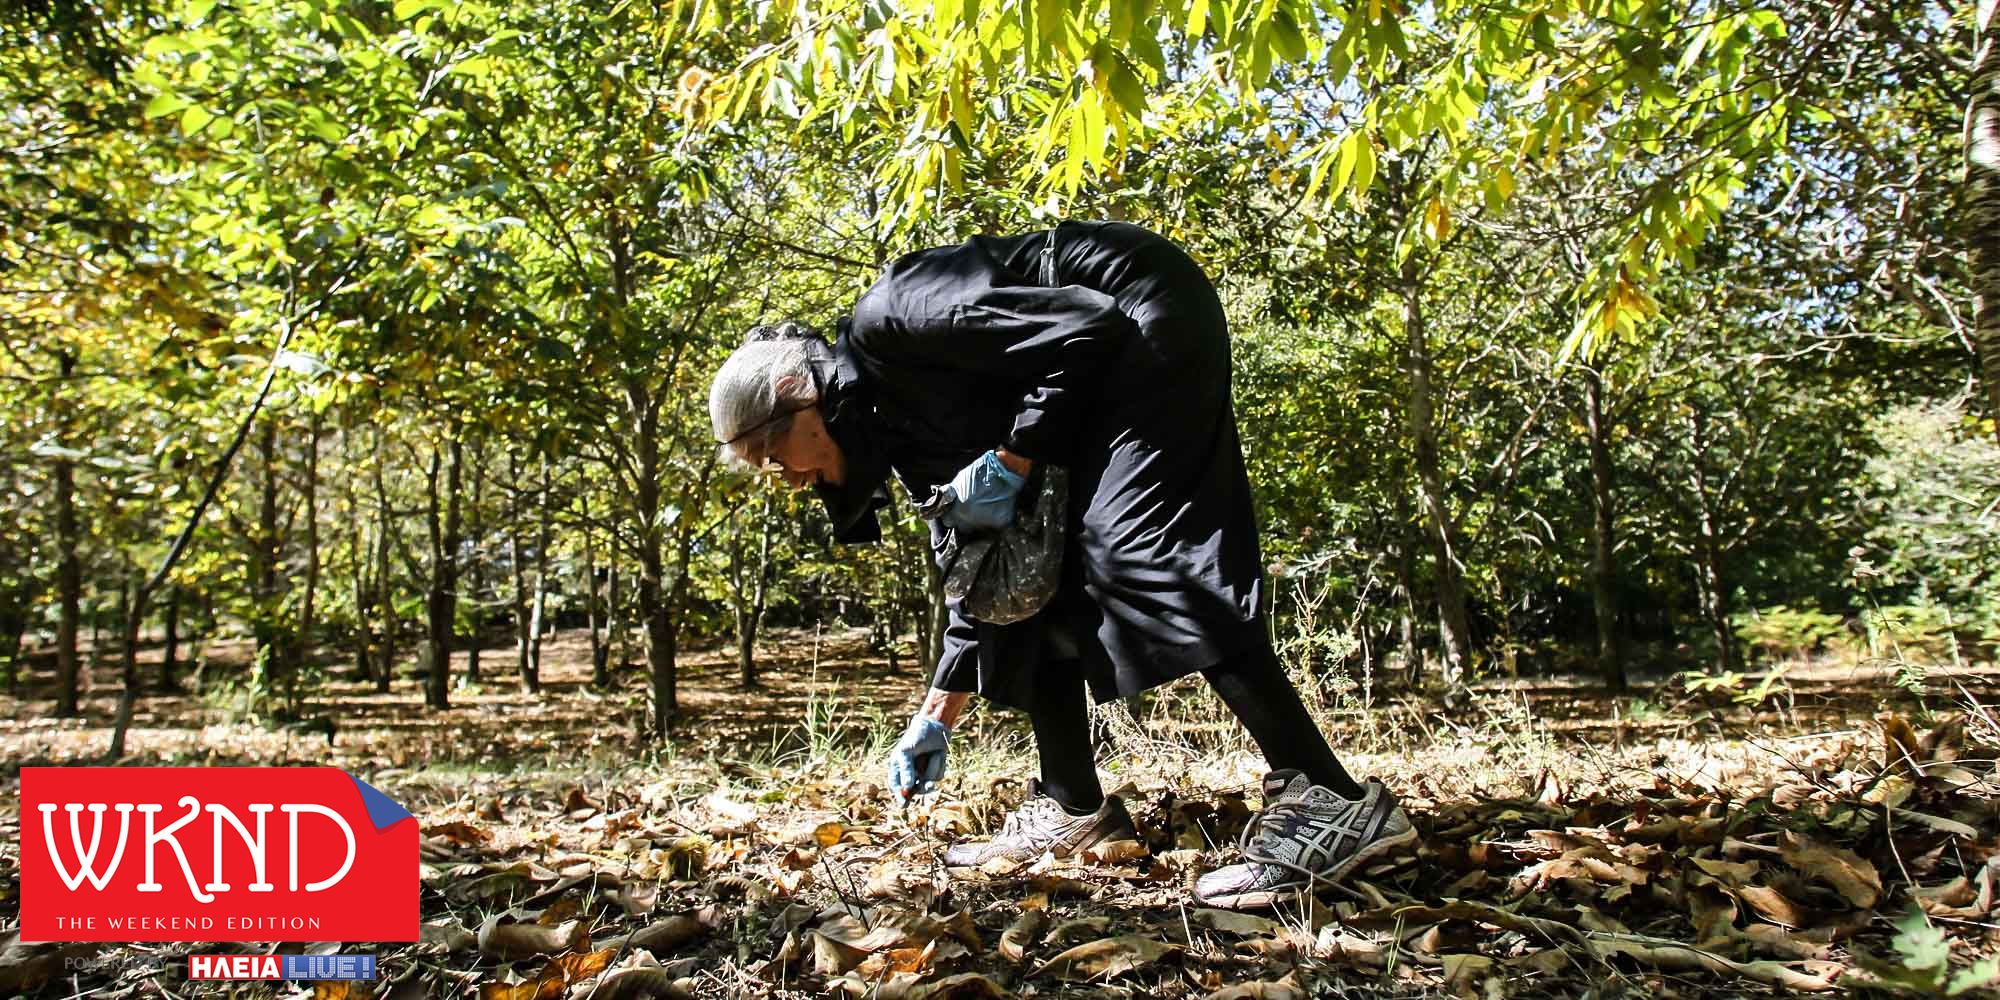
(213, 854)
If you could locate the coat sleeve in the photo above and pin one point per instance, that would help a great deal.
(958, 663)
(1057, 341)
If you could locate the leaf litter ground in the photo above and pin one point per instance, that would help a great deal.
(1843, 837)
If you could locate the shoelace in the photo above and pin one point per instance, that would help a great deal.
(1018, 822)
(1260, 833)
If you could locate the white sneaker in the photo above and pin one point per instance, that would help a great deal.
(1305, 837)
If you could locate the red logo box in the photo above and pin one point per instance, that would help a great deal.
(213, 854)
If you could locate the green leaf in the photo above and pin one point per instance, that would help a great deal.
(1364, 165)
(1343, 168)
(321, 124)
(194, 117)
(164, 43)
(1973, 977)
(1921, 943)
(406, 9)
(1126, 89)
(165, 104)
(1291, 43)
(1197, 19)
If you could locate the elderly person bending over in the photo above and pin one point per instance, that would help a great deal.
(1099, 347)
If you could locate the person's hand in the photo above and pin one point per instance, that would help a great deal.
(985, 492)
(917, 762)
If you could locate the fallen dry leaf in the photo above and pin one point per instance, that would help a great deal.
(831, 956)
(507, 882)
(1902, 752)
(639, 984)
(668, 933)
(1107, 957)
(449, 935)
(1732, 873)
(1232, 922)
(1020, 935)
(1851, 875)
(1081, 927)
(1113, 852)
(1283, 989)
(1673, 956)
(1773, 906)
(516, 941)
(1464, 969)
(964, 986)
(638, 900)
(459, 832)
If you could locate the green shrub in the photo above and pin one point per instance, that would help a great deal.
(1780, 631)
(1906, 631)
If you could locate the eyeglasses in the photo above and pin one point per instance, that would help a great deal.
(767, 464)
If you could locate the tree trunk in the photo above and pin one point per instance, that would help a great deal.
(1603, 548)
(1406, 541)
(170, 640)
(653, 610)
(536, 624)
(264, 570)
(472, 571)
(1715, 601)
(940, 616)
(614, 621)
(1455, 634)
(132, 597)
(593, 605)
(95, 611)
(1712, 575)
(16, 629)
(357, 545)
(750, 617)
(523, 665)
(385, 604)
(441, 598)
(198, 645)
(69, 570)
(676, 597)
(739, 606)
(307, 607)
(1982, 210)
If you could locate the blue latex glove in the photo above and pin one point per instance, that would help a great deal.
(917, 762)
(985, 493)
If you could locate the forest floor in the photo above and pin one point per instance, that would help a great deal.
(1835, 829)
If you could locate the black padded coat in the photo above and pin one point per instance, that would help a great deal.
(1118, 369)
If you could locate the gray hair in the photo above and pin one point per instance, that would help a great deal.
(764, 382)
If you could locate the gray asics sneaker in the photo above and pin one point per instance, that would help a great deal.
(1041, 825)
(1305, 837)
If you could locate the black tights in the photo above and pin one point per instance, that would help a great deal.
(1253, 685)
